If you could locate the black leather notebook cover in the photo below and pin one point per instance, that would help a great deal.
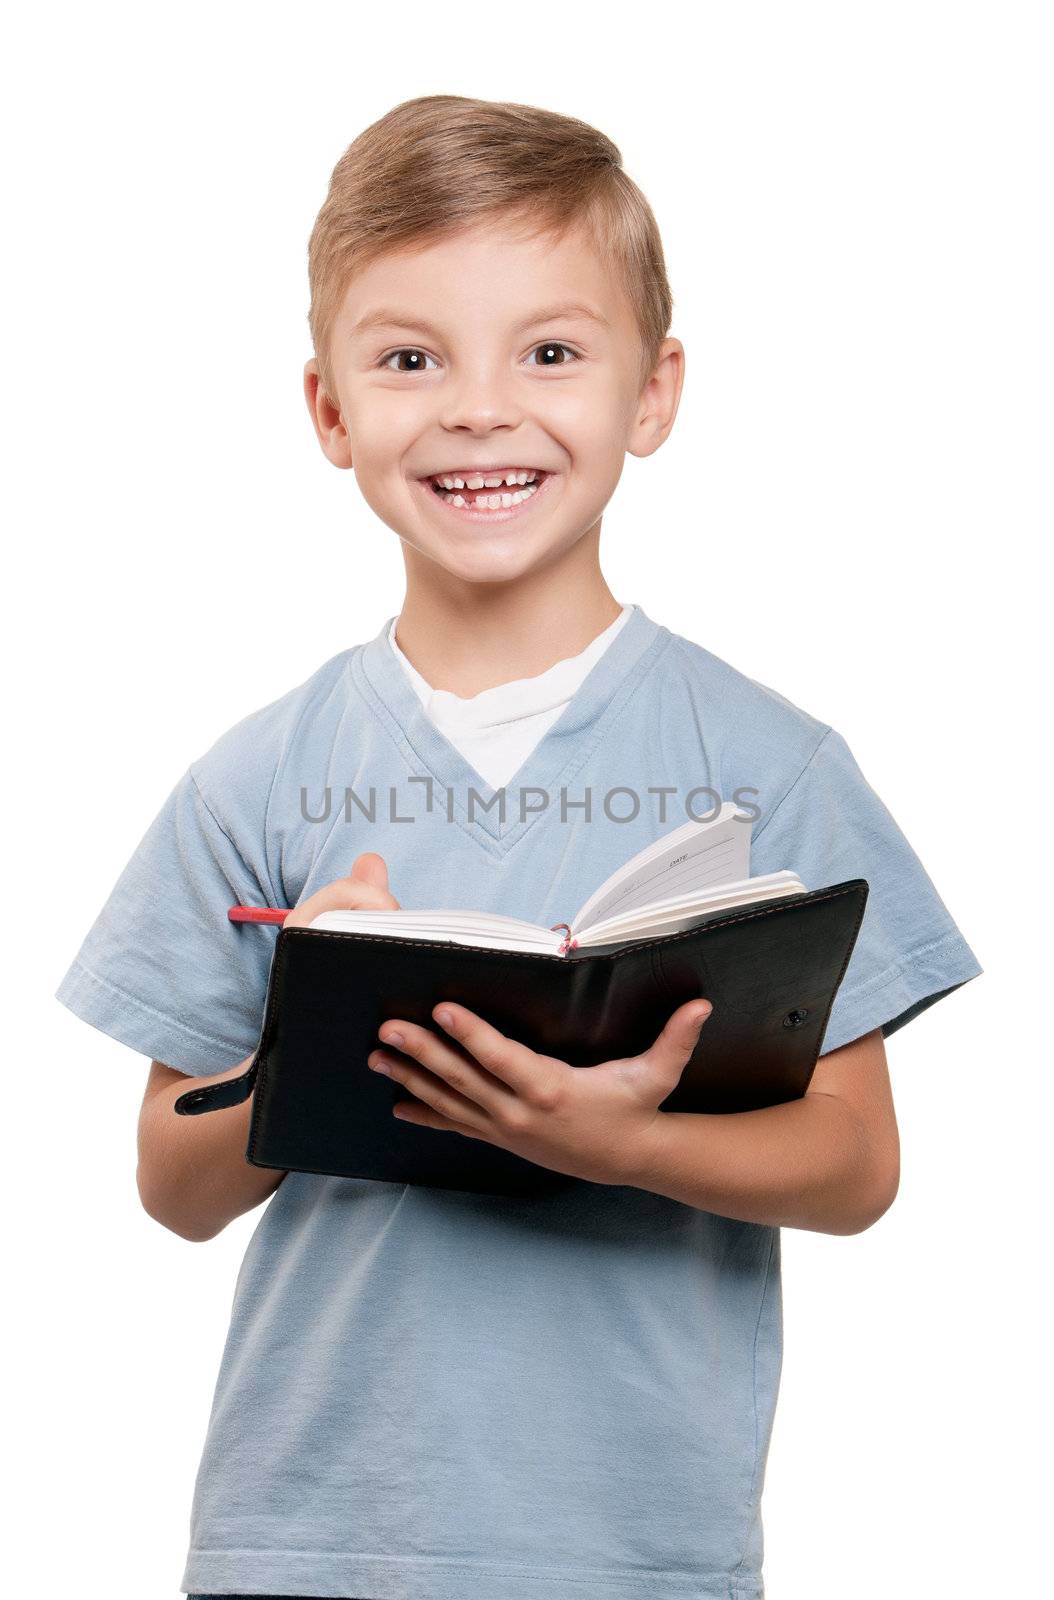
(770, 971)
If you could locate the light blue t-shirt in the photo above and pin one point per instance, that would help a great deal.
(431, 1394)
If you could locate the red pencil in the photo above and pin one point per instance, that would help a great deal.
(256, 914)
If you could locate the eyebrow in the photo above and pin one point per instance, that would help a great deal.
(387, 317)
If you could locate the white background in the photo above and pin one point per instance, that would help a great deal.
(854, 508)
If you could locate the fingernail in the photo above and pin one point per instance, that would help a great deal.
(444, 1018)
(393, 1036)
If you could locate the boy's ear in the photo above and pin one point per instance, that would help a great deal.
(328, 422)
(659, 400)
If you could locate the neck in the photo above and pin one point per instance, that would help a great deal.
(466, 637)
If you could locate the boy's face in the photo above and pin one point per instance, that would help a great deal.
(476, 357)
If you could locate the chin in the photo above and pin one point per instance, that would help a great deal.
(483, 566)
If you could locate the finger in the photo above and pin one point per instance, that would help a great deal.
(370, 868)
(430, 1088)
(365, 888)
(366, 885)
(674, 1045)
(451, 1065)
(526, 1073)
(428, 1117)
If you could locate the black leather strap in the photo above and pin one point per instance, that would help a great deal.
(215, 1096)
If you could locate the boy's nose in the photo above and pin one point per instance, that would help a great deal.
(481, 402)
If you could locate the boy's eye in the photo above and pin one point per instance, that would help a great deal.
(551, 350)
(553, 354)
(415, 360)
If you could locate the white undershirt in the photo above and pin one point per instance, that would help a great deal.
(497, 729)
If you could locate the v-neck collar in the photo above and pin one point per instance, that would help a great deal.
(562, 750)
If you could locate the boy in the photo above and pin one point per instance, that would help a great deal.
(430, 1394)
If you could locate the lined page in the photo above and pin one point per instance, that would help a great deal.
(694, 857)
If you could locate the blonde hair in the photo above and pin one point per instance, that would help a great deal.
(433, 165)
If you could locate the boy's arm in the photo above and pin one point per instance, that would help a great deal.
(192, 1174)
(829, 1162)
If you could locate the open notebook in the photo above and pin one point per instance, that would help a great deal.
(682, 919)
(687, 875)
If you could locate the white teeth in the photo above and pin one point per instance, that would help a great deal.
(517, 477)
(492, 502)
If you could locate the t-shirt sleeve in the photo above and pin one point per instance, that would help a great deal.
(831, 826)
(162, 969)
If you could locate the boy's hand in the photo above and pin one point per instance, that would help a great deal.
(591, 1123)
(364, 889)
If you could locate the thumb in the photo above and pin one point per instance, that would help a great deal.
(674, 1045)
(370, 868)
(365, 887)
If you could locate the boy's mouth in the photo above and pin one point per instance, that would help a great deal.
(487, 490)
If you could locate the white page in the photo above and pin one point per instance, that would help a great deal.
(487, 928)
(685, 910)
(693, 857)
